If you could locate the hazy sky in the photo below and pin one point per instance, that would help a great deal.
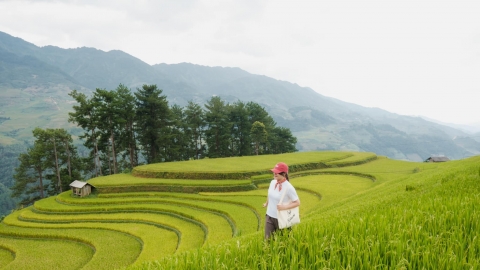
(408, 57)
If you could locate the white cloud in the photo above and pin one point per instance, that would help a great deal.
(410, 57)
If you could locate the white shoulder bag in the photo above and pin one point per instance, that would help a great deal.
(287, 218)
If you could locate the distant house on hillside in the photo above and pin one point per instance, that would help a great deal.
(80, 188)
(437, 159)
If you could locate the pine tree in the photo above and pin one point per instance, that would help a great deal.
(218, 128)
(51, 142)
(240, 140)
(127, 137)
(176, 147)
(281, 140)
(152, 119)
(259, 135)
(194, 130)
(29, 175)
(258, 113)
(109, 110)
(86, 115)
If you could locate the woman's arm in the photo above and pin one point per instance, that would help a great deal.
(288, 206)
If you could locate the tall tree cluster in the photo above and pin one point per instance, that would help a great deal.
(122, 129)
(48, 167)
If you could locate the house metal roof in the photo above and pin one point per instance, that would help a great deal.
(438, 159)
(78, 184)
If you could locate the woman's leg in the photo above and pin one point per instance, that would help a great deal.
(271, 225)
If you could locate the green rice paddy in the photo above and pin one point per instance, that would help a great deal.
(358, 211)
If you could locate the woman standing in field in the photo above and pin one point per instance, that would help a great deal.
(277, 185)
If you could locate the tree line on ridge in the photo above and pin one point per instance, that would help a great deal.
(122, 130)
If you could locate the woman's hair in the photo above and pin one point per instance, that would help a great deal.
(284, 174)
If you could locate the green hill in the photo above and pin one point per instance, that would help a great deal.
(359, 211)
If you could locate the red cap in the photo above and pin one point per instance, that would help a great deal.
(280, 167)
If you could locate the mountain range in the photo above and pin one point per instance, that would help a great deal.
(35, 82)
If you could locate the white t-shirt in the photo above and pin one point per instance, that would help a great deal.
(274, 196)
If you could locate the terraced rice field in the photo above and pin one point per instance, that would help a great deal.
(135, 218)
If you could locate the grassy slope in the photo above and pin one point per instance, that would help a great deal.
(416, 216)
(356, 217)
(204, 219)
(254, 163)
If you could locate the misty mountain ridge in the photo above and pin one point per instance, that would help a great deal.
(473, 128)
(35, 82)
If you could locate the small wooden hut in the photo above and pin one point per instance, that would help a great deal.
(437, 159)
(81, 188)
